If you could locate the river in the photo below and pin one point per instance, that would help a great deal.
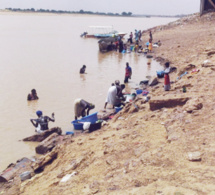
(46, 52)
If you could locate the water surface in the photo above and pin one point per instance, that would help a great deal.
(46, 52)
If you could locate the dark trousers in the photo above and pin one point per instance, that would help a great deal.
(126, 79)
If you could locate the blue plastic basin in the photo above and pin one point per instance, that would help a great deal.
(78, 124)
(160, 74)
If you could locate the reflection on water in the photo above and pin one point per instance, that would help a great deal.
(33, 105)
(149, 61)
(83, 77)
(46, 53)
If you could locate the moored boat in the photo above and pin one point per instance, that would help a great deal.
(102, 32)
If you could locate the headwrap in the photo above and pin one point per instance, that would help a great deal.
(39, 113)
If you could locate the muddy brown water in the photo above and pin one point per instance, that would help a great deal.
(45, 52)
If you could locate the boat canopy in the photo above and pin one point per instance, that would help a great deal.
(206, 6)
(100, 26)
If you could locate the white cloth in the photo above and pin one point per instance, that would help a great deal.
(86, 125)
(167, 70)
(111, 96)
(38, 129)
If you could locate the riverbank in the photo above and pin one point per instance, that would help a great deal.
(145, 151)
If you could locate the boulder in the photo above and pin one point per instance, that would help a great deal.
(40, 137)
(48, 144)
(162, 102)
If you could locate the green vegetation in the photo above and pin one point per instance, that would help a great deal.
(69, 12)
(126, 14)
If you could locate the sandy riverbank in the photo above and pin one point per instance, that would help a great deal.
(146, 152)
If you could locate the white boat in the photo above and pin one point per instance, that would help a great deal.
(102, 32)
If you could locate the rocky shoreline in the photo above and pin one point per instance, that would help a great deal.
(164, 147)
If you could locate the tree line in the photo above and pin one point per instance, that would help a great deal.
(69, 12)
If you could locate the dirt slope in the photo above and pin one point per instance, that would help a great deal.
(146, 152)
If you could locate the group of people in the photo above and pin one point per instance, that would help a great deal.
(115, 96)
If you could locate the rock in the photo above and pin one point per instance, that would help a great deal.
(48, 144)
(161, 102)
(114, 187)
(194, 156)
(25, 175)
(104, 114)
(94, 185)
(40, 163)
(21, 166)
(76, 163)
(210, 53)
(173, 136)
(192, 105)
(40, 137)
(133, 109)
(207, 63)
(124, 136)
(153, 81)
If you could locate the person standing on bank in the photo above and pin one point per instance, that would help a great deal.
(41, 123)
(128, 72)
(82, 70)
(150, 36)
(166, 77)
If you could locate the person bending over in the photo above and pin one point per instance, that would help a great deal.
(41, 123)
(82, 108)
(114, 96)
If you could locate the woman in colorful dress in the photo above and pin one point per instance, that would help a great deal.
(166, 77)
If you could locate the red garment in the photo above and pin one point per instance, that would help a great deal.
(128, 71)
(166, 79)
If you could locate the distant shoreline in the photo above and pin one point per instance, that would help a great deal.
(5, 11)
